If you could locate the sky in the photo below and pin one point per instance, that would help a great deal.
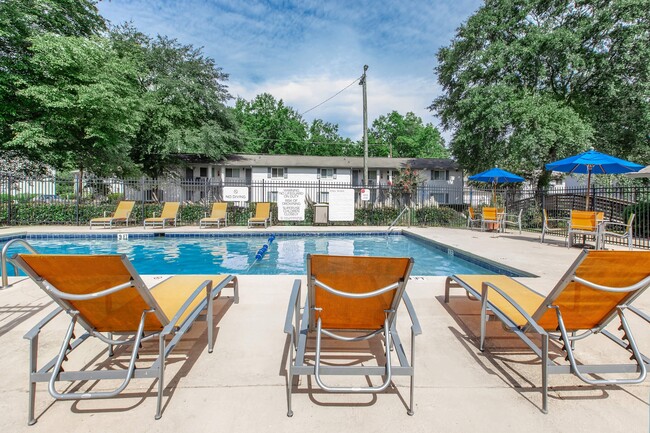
(306, 51)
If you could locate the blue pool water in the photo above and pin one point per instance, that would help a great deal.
(237, 255)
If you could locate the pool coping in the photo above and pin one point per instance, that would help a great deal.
(475, 259)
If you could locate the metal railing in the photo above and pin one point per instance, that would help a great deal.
(74, 201)
(4, 260)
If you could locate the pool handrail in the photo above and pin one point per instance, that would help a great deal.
(4, 259)
(406, 208)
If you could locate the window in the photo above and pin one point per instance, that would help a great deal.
(273, 196)
(327, 173)
(439, 174)
(277, 173)
(232, 172)
(203, 171)
(441, 198)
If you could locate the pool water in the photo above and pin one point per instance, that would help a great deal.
(238, 255)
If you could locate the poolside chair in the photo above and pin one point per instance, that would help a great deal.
(472, 218)
(121, 214)
(350, 299)
(552, 225)
(492, 219)
(513, 219)
(585, 223)
(217, 216)
(262, 215)
(167, 216)
(105, 296)
(626, 232)
(596, 289)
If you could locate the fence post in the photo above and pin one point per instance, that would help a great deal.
(143, 197)
(9, 200)
(78, 197)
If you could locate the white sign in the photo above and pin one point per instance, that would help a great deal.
(235, 193)
(365, 194)
(341, 205)
(291, 204)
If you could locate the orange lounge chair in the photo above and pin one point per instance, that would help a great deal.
(167, 216)
(104, 295)
(121, 214)
(217, 216)
(596, 289)
(350, 299)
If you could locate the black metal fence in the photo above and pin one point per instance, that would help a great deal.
(74, 201)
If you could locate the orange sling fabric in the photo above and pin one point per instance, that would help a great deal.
(83, 274)
(355, 274)
(585, 308)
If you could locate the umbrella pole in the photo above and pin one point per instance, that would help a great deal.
(588, 186)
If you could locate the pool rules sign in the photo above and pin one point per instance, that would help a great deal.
(291, 204)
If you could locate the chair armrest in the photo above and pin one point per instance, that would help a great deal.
(484, 295)
(605, 224)
(293, 309)
(106, 213)
(37, 328)
(415, 327)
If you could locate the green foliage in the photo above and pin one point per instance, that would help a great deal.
(405, 137)
(438, 216)
(527, 82)
(642, 216)
(84, 105)
(182, 95)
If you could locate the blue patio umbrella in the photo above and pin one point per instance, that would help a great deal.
(494, 176)
(594, 162)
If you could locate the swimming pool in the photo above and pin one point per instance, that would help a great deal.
(237, 254)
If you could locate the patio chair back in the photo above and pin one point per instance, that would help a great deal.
(262, 210)
(124, 209)
(472, 215)
(490, 213)
(170, 210)
(64, 276)
(219, 210)
(585, 220)
(355, 275)
(584, 307)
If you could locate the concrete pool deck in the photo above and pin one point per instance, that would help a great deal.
(241, 386)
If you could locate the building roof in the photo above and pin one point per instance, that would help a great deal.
(353, 162)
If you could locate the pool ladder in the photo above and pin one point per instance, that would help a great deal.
(4, 259)
(406, 209)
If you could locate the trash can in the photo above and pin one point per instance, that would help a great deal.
(321, 213)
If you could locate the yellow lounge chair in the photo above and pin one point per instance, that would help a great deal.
(596, 289)
(350, 299)
(217, 216)
(121, 214)
(167, 216)
(262, 215)
(105, 296)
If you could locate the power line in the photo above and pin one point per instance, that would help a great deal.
(332, 97)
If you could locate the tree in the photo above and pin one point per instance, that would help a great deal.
(529, 81)
(84, 105)
(183, 99)
(21, 20)
(324, 140)
(405, 137)
(269, 126)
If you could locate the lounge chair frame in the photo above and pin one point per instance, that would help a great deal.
(473, 218)
(162, 220)
(546, 227)
(301, 322)
(215, 221)
(258, 219)
(110, 221)
(52, 371)
(568, 338)
(628, 232)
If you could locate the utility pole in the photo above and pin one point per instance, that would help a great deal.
(362, 82)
